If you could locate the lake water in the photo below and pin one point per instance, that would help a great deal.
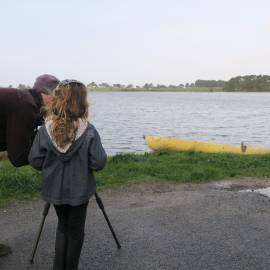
(122, 118)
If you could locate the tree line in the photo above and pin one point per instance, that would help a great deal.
(148, 86)
(256, 83)
(246, 83)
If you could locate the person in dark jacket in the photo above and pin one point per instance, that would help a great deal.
(68, 149)
(20, 115)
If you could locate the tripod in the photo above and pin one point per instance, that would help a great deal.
(45, 213)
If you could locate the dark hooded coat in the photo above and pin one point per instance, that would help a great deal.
(68, 177)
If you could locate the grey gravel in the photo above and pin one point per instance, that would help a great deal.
(160, 226)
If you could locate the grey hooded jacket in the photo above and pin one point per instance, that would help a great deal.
(68, 177)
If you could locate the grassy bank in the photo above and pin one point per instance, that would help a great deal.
(24, 183)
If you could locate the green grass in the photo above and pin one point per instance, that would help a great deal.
(24, 183)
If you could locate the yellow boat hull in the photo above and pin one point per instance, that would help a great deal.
(173, 144)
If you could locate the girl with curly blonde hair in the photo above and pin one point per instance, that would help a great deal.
(67, 149)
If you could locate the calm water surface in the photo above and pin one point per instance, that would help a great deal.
(122, 118)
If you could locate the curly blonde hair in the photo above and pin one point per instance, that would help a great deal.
(68, 104)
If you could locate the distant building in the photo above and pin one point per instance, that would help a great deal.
(92, 85)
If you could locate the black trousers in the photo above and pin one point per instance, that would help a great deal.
(69, 236)
(71, 219)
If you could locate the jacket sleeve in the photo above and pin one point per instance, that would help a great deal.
(37, 154)
(96, 154)
(19, 134)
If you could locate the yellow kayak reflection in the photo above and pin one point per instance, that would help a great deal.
(174, 144)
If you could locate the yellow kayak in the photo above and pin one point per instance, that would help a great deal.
(173, 144)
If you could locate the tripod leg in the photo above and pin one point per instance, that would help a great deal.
(101, 206)
(45, 213)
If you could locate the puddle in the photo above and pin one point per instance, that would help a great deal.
(260, 185)
(262, 191)
(230, 186)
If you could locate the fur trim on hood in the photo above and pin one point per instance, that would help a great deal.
(82, 127)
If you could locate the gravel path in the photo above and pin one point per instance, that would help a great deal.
(160, 226)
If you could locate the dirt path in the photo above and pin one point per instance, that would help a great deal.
(160, 226)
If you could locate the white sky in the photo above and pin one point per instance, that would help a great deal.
(138, 41)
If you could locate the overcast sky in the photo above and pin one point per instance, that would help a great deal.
(138, 41)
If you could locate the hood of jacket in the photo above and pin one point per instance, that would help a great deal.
(66, 153)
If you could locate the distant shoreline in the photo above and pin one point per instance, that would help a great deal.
(190, 89)
(180, 90)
